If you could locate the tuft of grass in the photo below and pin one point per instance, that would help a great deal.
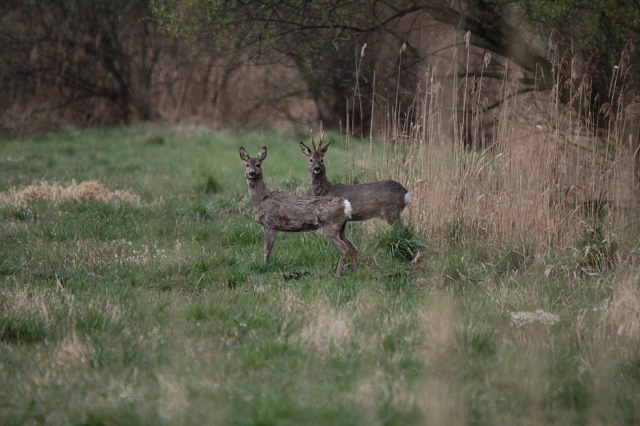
(245, 233)
(458, 266)
(6, 266)
(210, 186)
(205, 211)
(598, 246)
(128, 413)
(21, 213)
(235, 276)
(513, 258)
(157, 140)
(24, 329)
(399, 282)
(402, 242)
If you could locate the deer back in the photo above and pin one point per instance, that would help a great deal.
(294, 213)
(369, 200)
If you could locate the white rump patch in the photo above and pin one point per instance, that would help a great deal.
(347, 208)
(407, 198)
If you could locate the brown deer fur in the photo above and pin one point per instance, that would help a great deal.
(278, 211)
(384, 199)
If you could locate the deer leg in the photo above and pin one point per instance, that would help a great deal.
(343, 250)
(339, 244)
(353, 250)
(269, 240)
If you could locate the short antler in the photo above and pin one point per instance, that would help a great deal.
(321, 140)
(313, 144)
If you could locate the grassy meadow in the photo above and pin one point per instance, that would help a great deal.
(141, 298)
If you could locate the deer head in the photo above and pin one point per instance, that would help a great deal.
(254, 171)
(316, 156)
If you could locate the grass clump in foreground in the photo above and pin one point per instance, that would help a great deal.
(155, 308)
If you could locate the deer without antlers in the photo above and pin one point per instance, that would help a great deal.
(384, 199)
(278, 211)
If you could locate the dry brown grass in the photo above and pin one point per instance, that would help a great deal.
(71, 353)
(328, 328)
(622, 315)
(441, 396)
(41, 303)
(174, 396)
(531, 170)
(58, 193)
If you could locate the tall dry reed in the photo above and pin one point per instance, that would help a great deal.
(540, 168)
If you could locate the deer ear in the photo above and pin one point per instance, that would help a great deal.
(262, 154)
(323, 150)
(305, 150)
(244, 155)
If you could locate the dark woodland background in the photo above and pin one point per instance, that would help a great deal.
(293, 63)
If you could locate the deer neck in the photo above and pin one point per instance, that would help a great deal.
(257, 191)
(320, 185)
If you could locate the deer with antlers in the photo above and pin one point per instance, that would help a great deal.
(279, 211)
(384, 199)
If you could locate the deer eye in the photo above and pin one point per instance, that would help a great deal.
(247, 165)
(257, 164)
(310, 160)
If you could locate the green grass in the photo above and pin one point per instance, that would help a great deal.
(163, 313)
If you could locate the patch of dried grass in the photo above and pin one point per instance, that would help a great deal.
(40, 303)
(622, 316)
(71, 353)
(327, 329)
(380, 388)
(174, 396)
(35, 303)
(441, 396)
(57, 193)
